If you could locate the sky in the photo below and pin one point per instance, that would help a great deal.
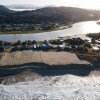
(92, 4)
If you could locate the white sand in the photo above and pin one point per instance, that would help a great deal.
(66, 87)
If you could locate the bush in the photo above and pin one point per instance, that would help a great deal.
(76, 41)
(54, 42)
(88, 45)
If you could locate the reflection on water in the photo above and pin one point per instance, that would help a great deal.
(78, 28)
(90, 27)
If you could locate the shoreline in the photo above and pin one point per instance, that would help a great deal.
(41, 31)
(33, 31)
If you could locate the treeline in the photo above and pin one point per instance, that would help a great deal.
(94, 35)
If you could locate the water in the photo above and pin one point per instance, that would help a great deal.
(78, 28)
(65, 87)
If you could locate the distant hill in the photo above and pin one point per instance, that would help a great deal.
(75, 13)
(4, 10)
(51, 15)
(58, 15)
(22, 6)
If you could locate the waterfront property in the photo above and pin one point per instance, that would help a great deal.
(49, 51)
(67, 44)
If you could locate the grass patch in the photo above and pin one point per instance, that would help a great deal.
(92, 57)
(90, 54)
(94, 35)
(1, 54)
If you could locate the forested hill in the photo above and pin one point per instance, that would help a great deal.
(50, 15)
(4, 10)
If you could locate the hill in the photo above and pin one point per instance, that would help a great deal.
(52, 15)
(75, 14)
(4, 10)
(22, 6)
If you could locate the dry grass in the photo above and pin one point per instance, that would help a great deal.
(1, 54)
(92, 57)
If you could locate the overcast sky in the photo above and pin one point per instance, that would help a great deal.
(81, 3)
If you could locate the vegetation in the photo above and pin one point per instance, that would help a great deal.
(76, 41)
(4, 10)
(25, 32)
(1, 54)
(51, 15)
(93, 57)
(43, 19)
(23, 29)
(98, 22)
(55, 42)
(94, 35)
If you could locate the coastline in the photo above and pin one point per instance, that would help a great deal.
(33, 31)
(41, 31)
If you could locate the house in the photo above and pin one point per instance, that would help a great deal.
(45, 45)
(68, 48)
(60, 42)
(54, 46)
(34, 42)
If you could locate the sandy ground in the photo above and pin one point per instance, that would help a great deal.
(51, 58)
(29, 75)
(62, 87)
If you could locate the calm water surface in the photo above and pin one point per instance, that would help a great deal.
(78, 28)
